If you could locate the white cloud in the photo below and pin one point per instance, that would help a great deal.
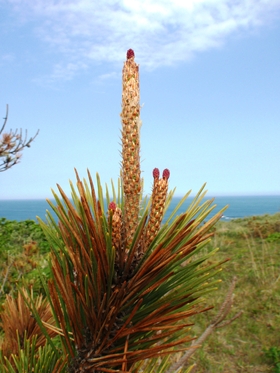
(109, 76)
(162, 32)
(7, 58)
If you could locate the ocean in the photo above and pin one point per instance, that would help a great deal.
(239, 207)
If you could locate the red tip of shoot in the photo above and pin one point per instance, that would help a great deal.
(156, 173)
(129, 54)
(166, 174)
(112, 206)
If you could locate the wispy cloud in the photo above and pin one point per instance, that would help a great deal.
(111, 75)
(162, 32)
(7, 58)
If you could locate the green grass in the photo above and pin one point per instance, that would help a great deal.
(253, 246)
(249, 344)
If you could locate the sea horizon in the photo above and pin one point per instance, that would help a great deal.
(239, 206)
(209, 196)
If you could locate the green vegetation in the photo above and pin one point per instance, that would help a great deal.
(23, 253)
(273, 354)
(249, 344)
(253, 246)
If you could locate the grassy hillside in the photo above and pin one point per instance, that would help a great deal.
(253, 246)
(249, 344)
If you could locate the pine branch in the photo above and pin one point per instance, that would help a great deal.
(11, 144)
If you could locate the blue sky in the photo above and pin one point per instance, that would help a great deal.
(210, 89)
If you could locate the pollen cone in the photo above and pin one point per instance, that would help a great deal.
(130, 144)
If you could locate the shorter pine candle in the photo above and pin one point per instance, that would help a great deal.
(160, 189)
(115, 215)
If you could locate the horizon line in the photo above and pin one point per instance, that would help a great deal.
(175, 196)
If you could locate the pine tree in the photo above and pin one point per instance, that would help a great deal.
(124, 286)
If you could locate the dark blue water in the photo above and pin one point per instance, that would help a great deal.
(239, 207)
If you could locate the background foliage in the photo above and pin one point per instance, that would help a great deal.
(23, 254)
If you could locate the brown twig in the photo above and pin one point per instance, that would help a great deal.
(217, 322)
(8, 270)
